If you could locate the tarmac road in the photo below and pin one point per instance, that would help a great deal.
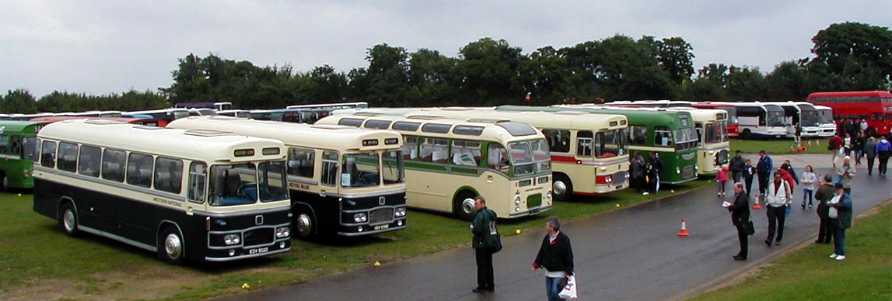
(631, 254)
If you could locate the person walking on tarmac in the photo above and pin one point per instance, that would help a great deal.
(556, 257)
(748, 172)
(834, 145)
(777, 201)
(870, 150)
(737, 166)
(823, 195)
(481, 225)
(883, 150)
(740, 218)
(763, 170)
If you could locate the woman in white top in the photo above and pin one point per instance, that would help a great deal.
(808, 186)
(778, 199)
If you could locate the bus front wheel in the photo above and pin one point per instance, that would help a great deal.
(172, 247)
(68, 220)
(745, 134)
(304, 224)
(562, 187)
(463, 205)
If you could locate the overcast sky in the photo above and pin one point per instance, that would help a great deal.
(111, 46)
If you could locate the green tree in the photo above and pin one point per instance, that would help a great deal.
(852, 56)
(489, 71)
(387, 75)
(432, 77)
(676, 56)
(786, 81)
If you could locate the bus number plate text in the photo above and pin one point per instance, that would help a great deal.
(258, 251)
(382, 227)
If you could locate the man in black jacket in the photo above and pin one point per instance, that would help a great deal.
(737, 166)
(481, 228)
(656, 169)
(824, 194)
(740, 218)
(556, 257)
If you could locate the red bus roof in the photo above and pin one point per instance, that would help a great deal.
(878, 94)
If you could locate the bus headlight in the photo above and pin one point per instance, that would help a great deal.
(282, 232)
(360, 217)
(28, 172)
(232, 239)
(677, 170)
(399, 212)
(516, 200)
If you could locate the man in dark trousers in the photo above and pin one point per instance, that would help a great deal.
(737, 166)
(749, 171)
(556, 257)
(637, 171)
(740, 218)
(484, 219)
(763, 170)
(656, 168)
(823, 195)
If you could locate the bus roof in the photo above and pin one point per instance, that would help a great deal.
(552, 120)
(51, 119)
(358, 104)
(19, 126)
(340, 138)
(661, 115)
(437, 126)
(877, 94)
(209, 146)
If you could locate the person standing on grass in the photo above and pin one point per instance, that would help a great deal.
(721, 178)
(883, 150)
(778, 200)
(556, 257)
(483, 222)
(656, 167)
(748, 172)
(808, 186)
(840, 214)
(834, 145)
(763, 170)
(740, 218)
(845, 172)
(823, 195)
(870, 151)
(637, 170)
(737, 165)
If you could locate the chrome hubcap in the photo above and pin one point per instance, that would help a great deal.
(468, 205)
(68, 220)
(5, 182)
(173, 246)
(560, 188)
(304, 224)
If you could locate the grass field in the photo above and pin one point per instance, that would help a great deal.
(36, 257)
(778, 147)
(808, 274)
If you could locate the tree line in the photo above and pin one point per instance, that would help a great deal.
(845, 56)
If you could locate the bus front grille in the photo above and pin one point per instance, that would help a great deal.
(259, 236)
(534, 201)
(381, 216)
(687, 172)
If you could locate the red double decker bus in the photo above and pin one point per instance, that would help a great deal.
(875, 106)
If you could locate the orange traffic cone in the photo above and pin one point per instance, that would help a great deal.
(756, 205)
(683, 232)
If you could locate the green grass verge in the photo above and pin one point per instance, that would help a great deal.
(778, 147)
(31, 248)
(808, 274)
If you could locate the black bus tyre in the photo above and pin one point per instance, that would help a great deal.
(304, 224)
(746, 133)
(171, 245)
(562, 188)
(463, 205)
(68, 219)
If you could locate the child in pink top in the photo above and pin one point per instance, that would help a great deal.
(721, 177)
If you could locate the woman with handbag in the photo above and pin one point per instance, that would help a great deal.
(740, 218)
(556, 257)
(840, 214)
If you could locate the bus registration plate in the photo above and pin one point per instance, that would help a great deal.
(382, 227)
(258, 251)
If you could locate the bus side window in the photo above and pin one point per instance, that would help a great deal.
(497, 157)
(466, 152)
(302, 162)
(48, 154)
(410, 148)
(662, 136)
(4, 144)
(558, 140)
(329, 168)
(88, 161)
(168, 175)
(198, 175)
(113, 165)
(637, 135)
(139, 170)
(67, 157)
(435, 150)
(15, 146)
(584, 140)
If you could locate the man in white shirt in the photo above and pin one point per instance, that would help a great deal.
(778, 199)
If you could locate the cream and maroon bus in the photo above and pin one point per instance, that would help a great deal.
(343, 180)
(185, 194)
(449, 162)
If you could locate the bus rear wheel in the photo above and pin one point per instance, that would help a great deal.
(463, 205)
(562, 187)
(172, 245)
(68, 220)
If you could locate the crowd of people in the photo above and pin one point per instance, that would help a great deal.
(645, 173)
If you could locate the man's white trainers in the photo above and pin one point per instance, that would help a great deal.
(840, 258)
(833, 256)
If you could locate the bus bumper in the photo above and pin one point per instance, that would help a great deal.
(238, 253)
(362, 230)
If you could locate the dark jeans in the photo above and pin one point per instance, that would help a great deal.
(825, 231)
(776, 216)
(839, 238)
(884, 160)
(763, 183)
(553, 288)
(749, 184)
(807, 194)
(742, 237)
(484, 269)
(870, 160)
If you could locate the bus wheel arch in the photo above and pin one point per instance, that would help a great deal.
(68, 218)
(463, 202)
(4, 181)
(562, 186)
(170, 243)
(305, 221)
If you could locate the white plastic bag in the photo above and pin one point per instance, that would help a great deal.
(569, 291)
